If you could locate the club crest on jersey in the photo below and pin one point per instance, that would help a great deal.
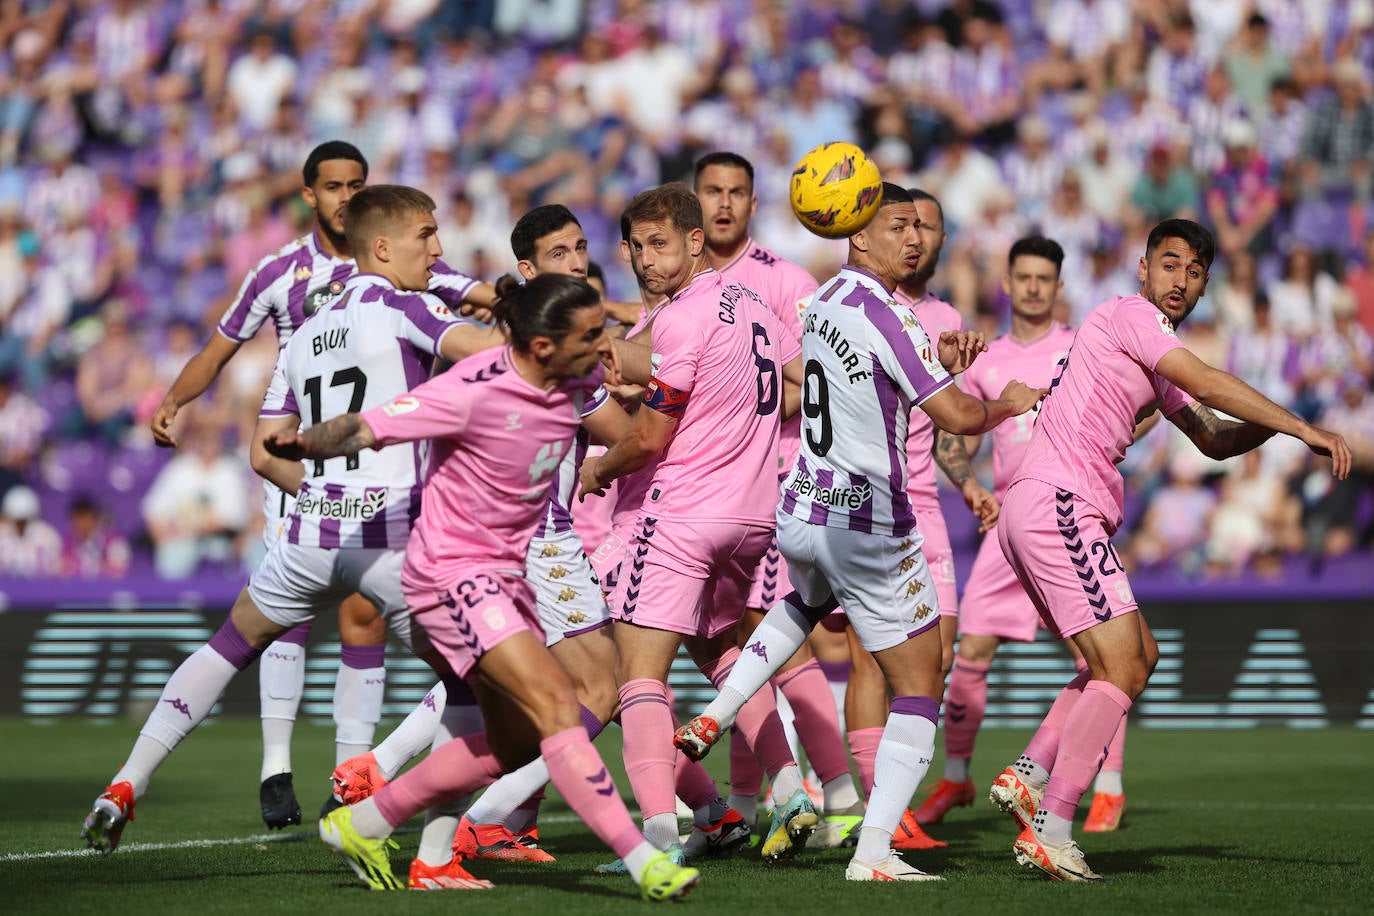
(1165, 324)
(320, 296)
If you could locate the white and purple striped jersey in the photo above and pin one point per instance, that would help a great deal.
(867, 364)
(558, 519)
(299, 279)
(369, 347)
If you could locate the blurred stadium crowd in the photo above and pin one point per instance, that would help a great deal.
(150, 154)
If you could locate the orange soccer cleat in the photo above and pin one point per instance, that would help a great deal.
(494, 841)
(449, 877)
(945, 795)
(1105, 814)
(909, 835)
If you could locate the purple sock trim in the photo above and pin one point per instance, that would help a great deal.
(591, 723)
(362, 657)
(835, 672)
(229, 642)
(459, 693)
(297, 635)
(917, 706)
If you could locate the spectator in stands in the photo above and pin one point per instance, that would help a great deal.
(1339, 146)
(1284, 126)
(810, 118)
(1303, 296)
(1208, 114)
(1265, 356)
(1175, 71)
(1334, 354)
(23, 425)
(1165, 189)
(1174, 526)
(258, 80)
(1354, 410)
(1233, 295)
(1108, 176)
(1248, 519)
(197, 505)
(1360, 280)
(1254, 63)
(92, 549)
(111, 378)
(1243, 196)
(1030, 171)
(29, 547)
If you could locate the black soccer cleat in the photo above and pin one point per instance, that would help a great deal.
(330, 803)
(278, 799)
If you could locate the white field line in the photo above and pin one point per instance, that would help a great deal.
(259, 839)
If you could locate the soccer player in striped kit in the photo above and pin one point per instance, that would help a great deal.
(724, 183)
(845, 522)
(286, 288)
(348, 526)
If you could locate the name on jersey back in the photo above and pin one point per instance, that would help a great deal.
(831, 335)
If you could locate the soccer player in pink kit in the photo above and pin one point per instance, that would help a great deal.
(1065, 502)
(845, 521)
(995, 606)
(712, 408)
(286, 288)
(351, 518)
(501, 423)
(724, 183)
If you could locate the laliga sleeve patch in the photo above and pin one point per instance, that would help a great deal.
(666, 399)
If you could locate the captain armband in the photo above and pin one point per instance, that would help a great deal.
(666, 399)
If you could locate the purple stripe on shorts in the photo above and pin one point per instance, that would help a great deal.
(568, 634)
(362, 657)
(330, 527)
(925, 707)
(232, 647)
(297, 635)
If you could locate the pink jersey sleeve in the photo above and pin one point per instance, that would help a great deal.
(436, 409)
(1143, 331)
(677, 345)
(1172, 398)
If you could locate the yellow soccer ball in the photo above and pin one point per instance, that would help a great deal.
(836, 190)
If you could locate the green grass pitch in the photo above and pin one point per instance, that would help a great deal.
(1262, 821)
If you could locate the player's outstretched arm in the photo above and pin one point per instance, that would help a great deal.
(649, 432)
(608, 423)
(285, 473)
(343, 435)
(953, 458)
(462, 340)
(1259, 418)
(197, 375)
(964, 415)
(635, 358)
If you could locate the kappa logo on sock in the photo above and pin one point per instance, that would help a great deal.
(180, 706)
(758, 648)
(429, 701)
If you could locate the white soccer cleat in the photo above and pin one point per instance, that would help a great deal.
(1013, 795)
(1062, 862)
(893, 868)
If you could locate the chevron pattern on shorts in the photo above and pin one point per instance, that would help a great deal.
(1078, 555)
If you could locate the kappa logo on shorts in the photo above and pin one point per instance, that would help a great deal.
(906, 564)
(576, 617)
(550, 550)
(922, 612)
(914, 588)
(559, 572)
(568, 593)
(904, 546)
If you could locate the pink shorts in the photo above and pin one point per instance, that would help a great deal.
(770, 579)
(605, 559)
(688, 577)
(939, 557)
(994, 602)
(474, 615)
(1059, 547)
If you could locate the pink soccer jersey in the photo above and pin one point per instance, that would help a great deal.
(1035, 363)
(1108, 382)
(786, 289)
(718, 341)
(935, 315)
(498, 441)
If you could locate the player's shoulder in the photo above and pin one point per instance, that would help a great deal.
(291, 261)
(485, 367)
(776, 263)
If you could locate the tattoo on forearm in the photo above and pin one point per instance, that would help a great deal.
(344, 435)
(1218, 438)
(952, 457)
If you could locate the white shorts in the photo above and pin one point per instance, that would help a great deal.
(566, 590)
(881, 581)
(294, 583)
